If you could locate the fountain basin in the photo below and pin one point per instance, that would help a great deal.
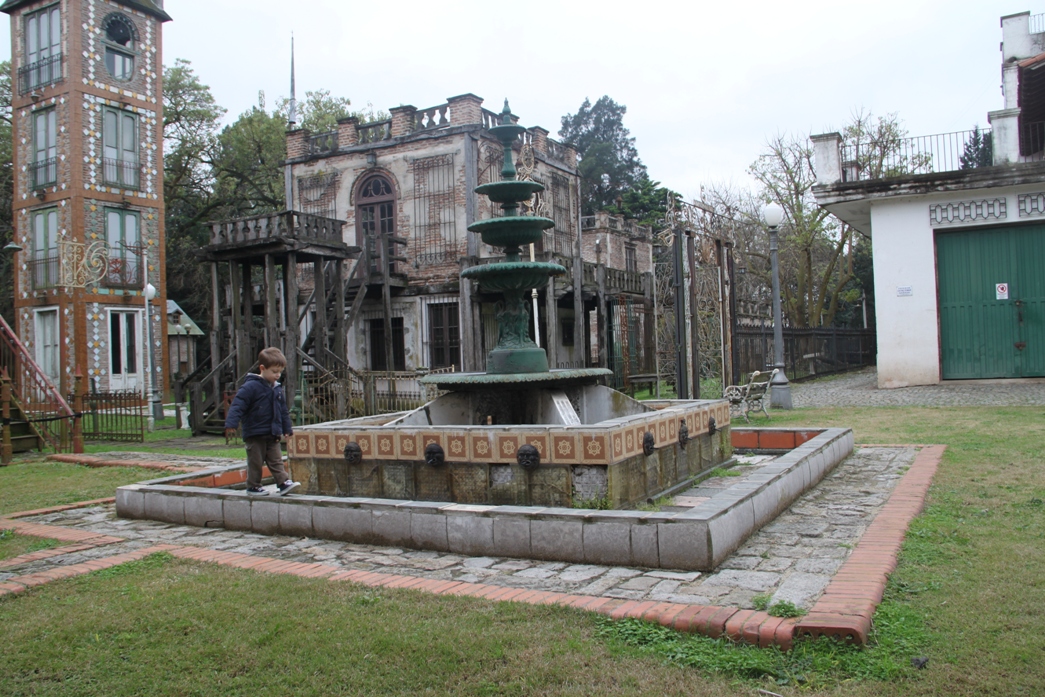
(602, 460)
(512, 231)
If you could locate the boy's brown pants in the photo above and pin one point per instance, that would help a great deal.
(261, 451)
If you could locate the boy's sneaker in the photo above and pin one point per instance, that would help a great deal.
(255, 490)
(286, 487)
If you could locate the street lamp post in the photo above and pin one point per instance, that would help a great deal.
(156, 402)
(779, 387)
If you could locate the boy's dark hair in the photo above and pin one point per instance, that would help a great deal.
(272, 357)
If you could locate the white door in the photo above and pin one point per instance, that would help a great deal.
(125, 364)
(46, 336)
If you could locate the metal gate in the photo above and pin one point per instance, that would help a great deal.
(992, 302)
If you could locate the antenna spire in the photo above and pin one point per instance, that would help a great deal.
(292, 117)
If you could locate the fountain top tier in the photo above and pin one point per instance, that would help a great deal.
(516, 362)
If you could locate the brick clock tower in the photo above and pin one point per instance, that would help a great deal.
(87, 81)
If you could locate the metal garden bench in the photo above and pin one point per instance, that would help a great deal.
(743, 399)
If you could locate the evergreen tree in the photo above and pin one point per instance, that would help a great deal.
(979, 150)
(609, 164)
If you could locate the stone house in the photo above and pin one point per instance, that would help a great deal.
(958, 233)
(88, 209)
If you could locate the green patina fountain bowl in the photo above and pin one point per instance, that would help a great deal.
(512, 231)
(513, 275)
(509, 191)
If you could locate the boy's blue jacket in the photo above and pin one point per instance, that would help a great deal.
(260, 408)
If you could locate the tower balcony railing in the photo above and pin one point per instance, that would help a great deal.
(122, 173)
(45, 71)
(43, 173)
(44, 270)
(124, 272)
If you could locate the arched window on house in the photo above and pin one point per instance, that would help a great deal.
(375, 218)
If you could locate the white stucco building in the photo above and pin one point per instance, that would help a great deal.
(958, 228)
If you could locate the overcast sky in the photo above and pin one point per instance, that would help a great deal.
(705, 83)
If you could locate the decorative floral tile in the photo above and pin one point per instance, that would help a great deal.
(564, 448)
(540, 441)
(437, 438)
(323, 448)
(594, 448)
(386, 447)
(366, 444)
(340, 441)
(482, 448)
(408, 448)
(630, 444)
(618, 444)
(303, 444)
(662, 432)
(507, 444)
(673, 428)
(456, 447)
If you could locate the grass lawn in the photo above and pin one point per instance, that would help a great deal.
(13, 545)
(32, 484)
(967, 595)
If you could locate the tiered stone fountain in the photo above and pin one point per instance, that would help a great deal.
(519, 433)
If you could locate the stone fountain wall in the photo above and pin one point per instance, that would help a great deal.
(595, 465)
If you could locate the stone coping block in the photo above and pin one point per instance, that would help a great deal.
(699, 538)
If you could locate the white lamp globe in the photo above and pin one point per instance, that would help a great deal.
(773, 214)
(150, 291)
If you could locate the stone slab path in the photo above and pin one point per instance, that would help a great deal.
(793, 558)
(860, 389)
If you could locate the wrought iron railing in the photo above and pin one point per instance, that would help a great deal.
(375, 132)
(45, 271)
(46, 71)
(113, 416)
(40, 401)
(1032, 141)
(122, 173)
(322, 143)
(807, 352)
(943, 152)
(43, 173)
(124, 272)
(284, 224)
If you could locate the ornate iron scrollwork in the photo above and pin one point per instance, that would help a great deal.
(82, 264)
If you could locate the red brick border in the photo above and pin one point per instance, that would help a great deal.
(843, 612)
(91, 461)
(845, 609)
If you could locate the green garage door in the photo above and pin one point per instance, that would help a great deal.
(983, 333)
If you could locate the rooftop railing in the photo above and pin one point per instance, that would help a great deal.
(943, 152)
(375, 132)
(1037, 24)
(322, 143)
(432, 117)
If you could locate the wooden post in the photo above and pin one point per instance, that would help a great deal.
(215, 333)
(245, 342)
(272, 337)
(320, 339)
(340, 330)
(6, 449)
(78, 411)
(694, 319)
(293, 341)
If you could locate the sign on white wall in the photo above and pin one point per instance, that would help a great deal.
(904, 291)
(1001, 291)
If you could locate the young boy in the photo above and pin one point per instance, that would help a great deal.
(261, 409)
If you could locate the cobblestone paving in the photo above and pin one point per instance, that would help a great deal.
(860, 389)
(793, 558)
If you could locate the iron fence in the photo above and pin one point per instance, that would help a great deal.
(44, 270)
(808, 353)
(113, 416)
